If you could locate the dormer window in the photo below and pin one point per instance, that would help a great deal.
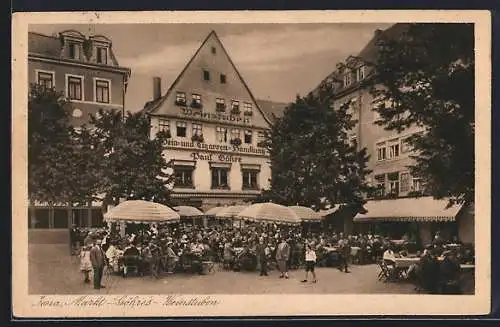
(361, 73)
(102, 55)
(74, 50)
(347, 79)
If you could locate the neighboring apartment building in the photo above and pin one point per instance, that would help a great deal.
(388, 151)
(216, 125)
(87, 72)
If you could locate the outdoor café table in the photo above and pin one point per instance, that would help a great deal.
(405, 262)
(329, 249)
(354, 250)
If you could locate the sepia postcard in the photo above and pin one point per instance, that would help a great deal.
(251, 163)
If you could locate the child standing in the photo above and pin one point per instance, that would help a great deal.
(310, 263)
(85, 263)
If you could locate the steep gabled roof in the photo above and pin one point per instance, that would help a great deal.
(152, 106)
(271, 109)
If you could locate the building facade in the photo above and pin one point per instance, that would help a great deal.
(215, 126)
(389, 154)
(85, 70)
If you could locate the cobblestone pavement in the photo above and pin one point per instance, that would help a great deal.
(53, 271)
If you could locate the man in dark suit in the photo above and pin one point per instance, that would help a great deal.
(98, 259)
(282, 255)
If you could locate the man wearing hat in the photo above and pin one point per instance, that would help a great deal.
(98, 260)
(282, 255)
(449, 273)
(263, 252)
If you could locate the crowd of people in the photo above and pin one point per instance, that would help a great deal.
(258, 247)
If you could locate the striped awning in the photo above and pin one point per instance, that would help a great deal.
(423, 209)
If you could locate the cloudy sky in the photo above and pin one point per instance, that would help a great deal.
(278, 61)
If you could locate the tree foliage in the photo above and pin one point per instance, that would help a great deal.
(132, 165)
(49, 146)
(312, 158)
(112, 157)
(427, 74)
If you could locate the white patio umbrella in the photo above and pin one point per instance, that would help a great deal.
(269, 212)
(213, 211)
(189, 212)
(306, 214)
(141, 212)
(230, 211)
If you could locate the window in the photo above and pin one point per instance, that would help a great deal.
(183, 176)
(42, 217)
(404, 179)
(393, 180)
(405, 146)
(221, 134)
(247, 107)
(196, 101)
(102, 91)
(60, 218)
(235, 133)
(206, 75)
(163, 125)
(261, 137)
(380, 184)
(222, 78)
(74, 87)
(381, 152)
(97, 217)
(45, 79)
(220, 104)
(214, 50)
(248, 137)
(347, 79)
(250, 179)
(180, 99)
(74, 50)
(361, 73)
(102, 55)
(197, 130)
(80, 217)
(181, 129)
(394, 149)
(219, 178)
(416, 184)
(235, 106)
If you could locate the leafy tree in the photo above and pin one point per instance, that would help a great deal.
(311, 156)
(132, 165)
(427, 76)
(49, 146)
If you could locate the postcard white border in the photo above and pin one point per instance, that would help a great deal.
(260, 305)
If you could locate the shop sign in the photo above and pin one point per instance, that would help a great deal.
(216, 147)
(221, 117)
(215, 157)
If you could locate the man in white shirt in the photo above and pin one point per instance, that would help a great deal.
(389, 257)
(310, 262)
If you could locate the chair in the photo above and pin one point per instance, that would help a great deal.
(384, 274)
(131, 264)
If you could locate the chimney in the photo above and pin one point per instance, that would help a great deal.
(378, 33)
(156, 88)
